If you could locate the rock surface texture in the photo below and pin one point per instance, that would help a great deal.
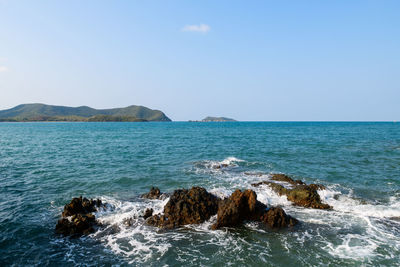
(299, 193)
(154, 193)
(244, 206)
(186, 207)
(77, 217)
(196, 206)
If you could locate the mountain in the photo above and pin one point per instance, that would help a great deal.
(42, 112)
(217, 119)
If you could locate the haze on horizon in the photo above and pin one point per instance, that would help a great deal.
(253, 60)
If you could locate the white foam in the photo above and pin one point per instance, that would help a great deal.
(352, 230)
(353, 246)
(230, 160)
(348, 204)
(135, 241)
(215, 166)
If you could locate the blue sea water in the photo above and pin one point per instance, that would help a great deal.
(44, 165)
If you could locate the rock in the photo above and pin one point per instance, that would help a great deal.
(128, 221)
(221, 166)
(77, 217)
(238, 207)
(148, 213)
(306, 196)
(284, 178)
(242, 206)
(258, 174)
(301, 194)
(154, 193)
(276, 217)
(184, 207)
(80, 206)
(317, 186)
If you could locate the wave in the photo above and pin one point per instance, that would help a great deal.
(354, 230)
(216, 166)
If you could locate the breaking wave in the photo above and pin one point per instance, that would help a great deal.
(356, 229)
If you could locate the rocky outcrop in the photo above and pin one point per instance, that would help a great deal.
(77, 217)
(184, 207)
(154, 193)
(244, 206)
(299, 193)
(196, 206)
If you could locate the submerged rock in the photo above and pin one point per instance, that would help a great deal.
(300, 194)
(221, 166)
(184, 207)
(284, 178)
(77, 217)
(154, 193)
(244, 206)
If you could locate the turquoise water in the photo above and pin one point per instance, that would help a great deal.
(44, 165)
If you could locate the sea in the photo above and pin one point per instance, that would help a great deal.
(44, 165)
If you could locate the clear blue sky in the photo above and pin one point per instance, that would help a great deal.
(250, 60)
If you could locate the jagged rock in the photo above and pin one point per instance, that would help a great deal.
(238, 207)
(242, 206)
(78, 225)
(80, 206)
(186, 207)
(317, 186)
(284, 178)
(276, 217)
(306, 196)
(148, 213)
(77, 217)
(300, 194)
(154, 193)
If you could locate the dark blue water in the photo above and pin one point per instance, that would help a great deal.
(44, 165)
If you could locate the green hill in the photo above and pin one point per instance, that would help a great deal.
(42, 112)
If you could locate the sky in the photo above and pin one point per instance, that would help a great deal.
(249, 60)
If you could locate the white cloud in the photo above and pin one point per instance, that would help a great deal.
(3, 69)
(203, 28)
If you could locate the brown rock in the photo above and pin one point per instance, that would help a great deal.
(148, 213)
(276, 217)
(238, 207)
(186, 207)
(284, 178)
(306, 196)
(80, 206)
(242, 206)
(317, 186)
(301, 194)
(77, 218)
(154, 193)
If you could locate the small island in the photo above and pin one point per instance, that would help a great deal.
(215, 119)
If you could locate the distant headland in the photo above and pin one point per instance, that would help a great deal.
(42, 112)
(215, 119)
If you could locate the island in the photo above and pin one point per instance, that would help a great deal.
(43, 112)
(214, 119)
